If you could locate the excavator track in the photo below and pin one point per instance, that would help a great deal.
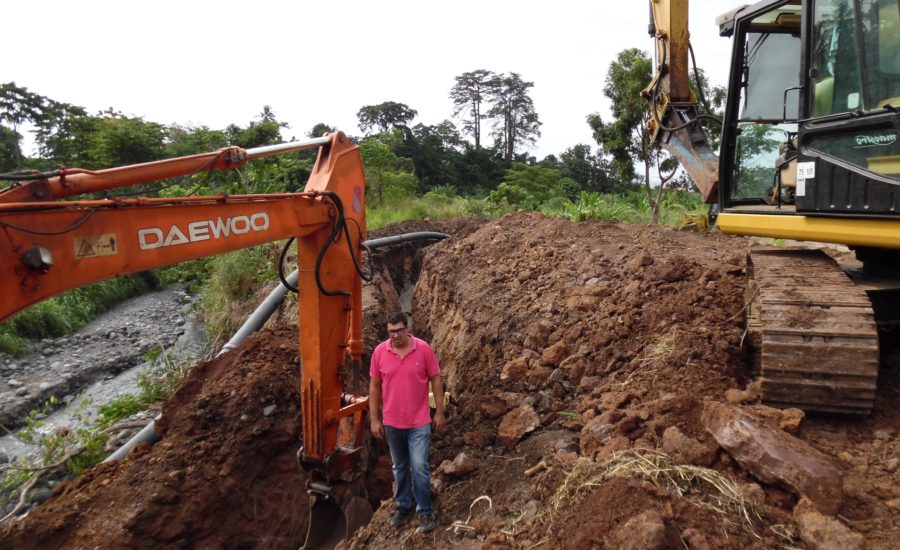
(818, 342)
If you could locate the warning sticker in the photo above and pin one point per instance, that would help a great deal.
(96, 245)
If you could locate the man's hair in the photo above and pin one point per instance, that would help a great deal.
(397, 317)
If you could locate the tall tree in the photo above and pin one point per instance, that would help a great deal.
(515, 120)
(384, 116)
(63, 135)
(626, 138)
(126, 140)
(265, 131)
(470, 91)
(592, 172)
(437, 154)
(320, 130)
(10, 153)
(387, 175)
(186, 140)
(18, 106)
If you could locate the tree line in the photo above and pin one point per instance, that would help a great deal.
(480, 150)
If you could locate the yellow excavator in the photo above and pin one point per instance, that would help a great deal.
(808, 151)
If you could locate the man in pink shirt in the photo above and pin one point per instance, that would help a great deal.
(402, 368)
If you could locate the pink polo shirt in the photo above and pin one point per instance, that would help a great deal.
(404, 383)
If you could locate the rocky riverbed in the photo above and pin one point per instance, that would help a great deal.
(114, 342)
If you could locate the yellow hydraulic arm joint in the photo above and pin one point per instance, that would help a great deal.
(673, 106)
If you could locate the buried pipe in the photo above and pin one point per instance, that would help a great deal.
(261, 314)
(405, 238)
(257, 319)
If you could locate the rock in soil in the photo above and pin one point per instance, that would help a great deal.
(774, 456)
(651, 322)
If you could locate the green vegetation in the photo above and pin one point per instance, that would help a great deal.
(433, 206)
(232, 284)
(68, 312)
(69, 452)
(413, 171)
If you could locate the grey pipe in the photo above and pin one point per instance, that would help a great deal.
(256, 321)
(147, 435)
(290, 147)
(404, 238)
(261, 314)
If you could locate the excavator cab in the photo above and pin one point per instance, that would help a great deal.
(812, 123)
(808, 152)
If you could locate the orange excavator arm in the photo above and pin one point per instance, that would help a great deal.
(49, 245)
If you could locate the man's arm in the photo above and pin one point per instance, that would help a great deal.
(437, 389)
(375, 408)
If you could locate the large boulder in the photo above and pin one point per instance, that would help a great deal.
(776, 457)
(516, 424)
(492, 406)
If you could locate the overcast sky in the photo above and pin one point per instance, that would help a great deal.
(216, 63)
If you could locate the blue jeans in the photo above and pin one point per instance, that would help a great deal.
(409, 453)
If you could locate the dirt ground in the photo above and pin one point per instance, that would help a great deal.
(564, 346)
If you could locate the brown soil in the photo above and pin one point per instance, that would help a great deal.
(611, 333)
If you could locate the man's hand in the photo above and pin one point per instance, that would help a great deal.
(440, 422)
(377, 428)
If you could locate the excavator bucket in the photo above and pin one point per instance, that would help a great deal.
(330, 523)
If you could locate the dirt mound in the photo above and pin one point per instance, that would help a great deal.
(581, 359)
(225, 474)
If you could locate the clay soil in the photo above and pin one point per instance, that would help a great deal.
(612, 334)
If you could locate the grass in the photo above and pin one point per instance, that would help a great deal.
(661, 350)
(233, 282)
(654, 356)
(66, 313)
(432, 206)
(702, 487)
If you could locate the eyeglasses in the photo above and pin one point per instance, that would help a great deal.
(396, 331)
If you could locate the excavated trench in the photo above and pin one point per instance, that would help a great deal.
(563, 344)
(225, 472)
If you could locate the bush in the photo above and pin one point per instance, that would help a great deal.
(527, 187)
(193, 273)
(10, 342)
(442, 191)
(234, 279)
(431, 207)
(68, 312)
(597, 206)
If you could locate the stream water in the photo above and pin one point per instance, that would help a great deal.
(83, 403)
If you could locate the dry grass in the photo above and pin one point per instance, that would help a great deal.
(663, 349)
(789, 538)
(655, 356)
(702, 487)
